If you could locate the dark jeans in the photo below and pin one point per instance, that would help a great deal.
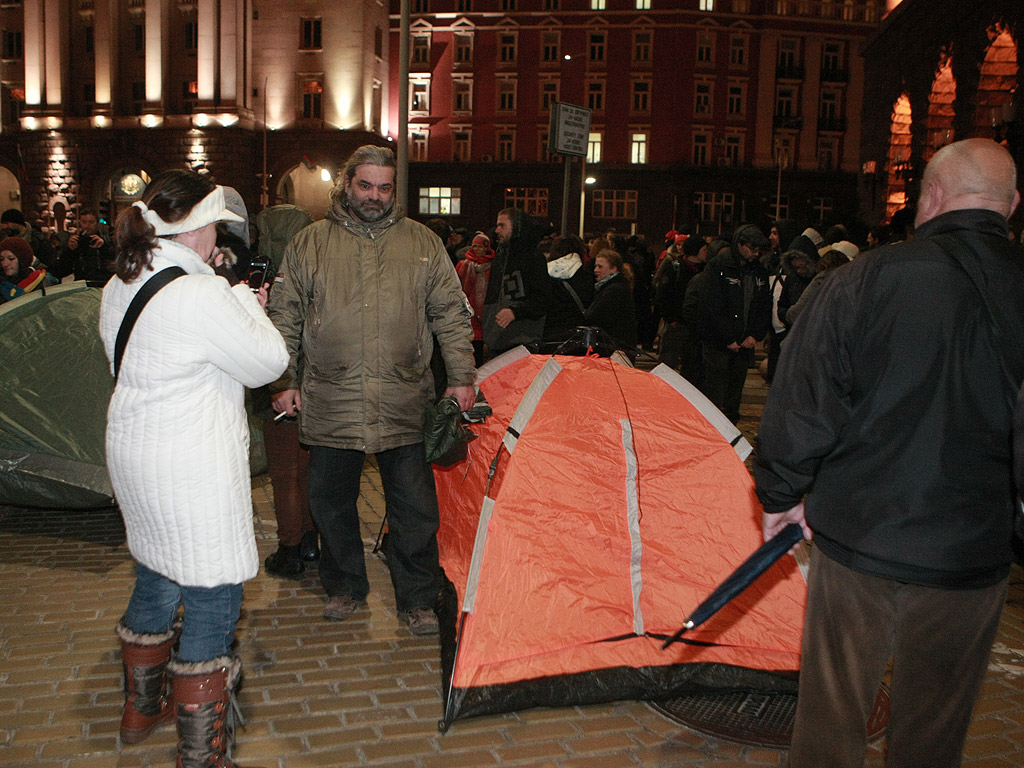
(211, 613)
(725, 373)
(411, 504)
(939, 642)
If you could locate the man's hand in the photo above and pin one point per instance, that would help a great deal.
(465, 395)
(734, 347)
(772, 524)
(73, 242)
(287, 401)
(748, 343)
(504, 317)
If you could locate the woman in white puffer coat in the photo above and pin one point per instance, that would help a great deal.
(177, 452)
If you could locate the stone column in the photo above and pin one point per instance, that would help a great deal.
(35, 53)
(55, 23)
(206, 59)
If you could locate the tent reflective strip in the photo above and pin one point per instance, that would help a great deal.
(478, 554)
(520, 419)
(528, 404)
(633, 518)
(707, 409)
(495, 365)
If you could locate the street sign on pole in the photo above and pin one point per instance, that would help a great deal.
(568, 134)
(569, 130)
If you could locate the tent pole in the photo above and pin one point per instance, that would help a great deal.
(446, 723)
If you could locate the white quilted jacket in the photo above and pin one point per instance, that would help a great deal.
(177, 436)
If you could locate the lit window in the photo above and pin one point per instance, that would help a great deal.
(419, 96)
(309, 34)
(532, 200)
(707, 5)
(312, 100)
(440, 201)
(594, 147)
(597, 5)
(614, 204)
(643, 5)
(638, 148)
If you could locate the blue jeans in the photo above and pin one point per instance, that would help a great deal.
(211, 613)
(411, 504)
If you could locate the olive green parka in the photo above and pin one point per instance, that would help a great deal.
(357, 304)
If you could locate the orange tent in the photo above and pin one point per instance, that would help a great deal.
(599, 505)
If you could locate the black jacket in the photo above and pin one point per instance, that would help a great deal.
(891, 408)
(735, 300)
(519, 273)
(614, 311)
(563, 313)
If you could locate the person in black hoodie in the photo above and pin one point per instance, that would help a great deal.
(517, 292)
(735, 314)
(891, 413)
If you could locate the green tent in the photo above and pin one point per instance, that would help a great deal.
(56, 385)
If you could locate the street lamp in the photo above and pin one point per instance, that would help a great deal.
(781, 159)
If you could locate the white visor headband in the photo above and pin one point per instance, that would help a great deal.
(209, 210)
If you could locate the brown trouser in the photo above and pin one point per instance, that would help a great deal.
(939, 641)
(287, 464)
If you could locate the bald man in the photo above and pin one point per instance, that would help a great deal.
(886, 435)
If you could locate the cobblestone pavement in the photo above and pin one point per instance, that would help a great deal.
(326, 695)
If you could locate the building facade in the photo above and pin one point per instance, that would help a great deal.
(702, 111)
(938, 71)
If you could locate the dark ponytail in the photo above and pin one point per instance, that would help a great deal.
(172, 195)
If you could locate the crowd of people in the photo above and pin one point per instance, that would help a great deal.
(886, 435)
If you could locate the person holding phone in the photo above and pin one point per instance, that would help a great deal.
(90, 255)
(177, 452)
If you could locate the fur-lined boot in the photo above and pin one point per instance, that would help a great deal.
(203, 695)
(145, 659)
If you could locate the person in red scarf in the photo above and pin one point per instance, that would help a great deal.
(18, 276)
(474, 271)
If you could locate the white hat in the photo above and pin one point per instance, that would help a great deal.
(845, 247)
(812, 234)
(209, 210)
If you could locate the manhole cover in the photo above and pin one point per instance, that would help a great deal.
(759, 719)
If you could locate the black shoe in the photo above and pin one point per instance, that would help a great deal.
(310, 547)
(286, 562)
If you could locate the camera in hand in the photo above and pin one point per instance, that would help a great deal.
(259, 271)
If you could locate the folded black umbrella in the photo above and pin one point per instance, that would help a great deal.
(741, 578)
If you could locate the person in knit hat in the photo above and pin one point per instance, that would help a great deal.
(18, 276)
(474, 272)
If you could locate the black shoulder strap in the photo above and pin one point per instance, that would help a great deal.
(146, 292)
(575, 297)
(1007, 328)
